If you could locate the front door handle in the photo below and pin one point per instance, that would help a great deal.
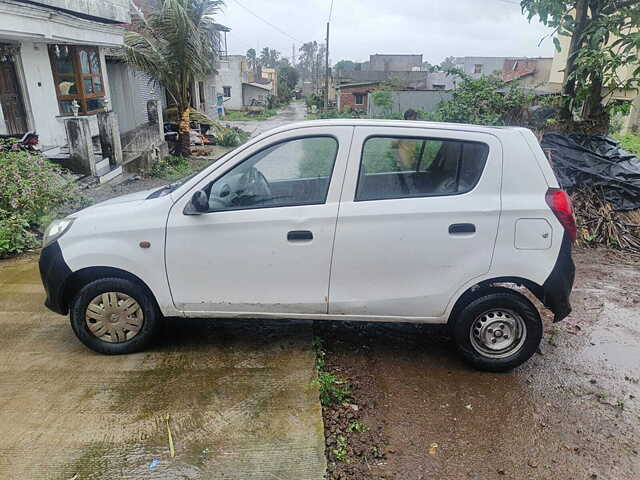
(299, 235)
(458, 228)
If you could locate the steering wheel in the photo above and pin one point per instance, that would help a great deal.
(252, 186)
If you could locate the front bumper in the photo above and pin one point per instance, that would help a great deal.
(54, 273)
(556, 290)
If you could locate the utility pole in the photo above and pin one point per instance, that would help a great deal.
(293, 54)
(326, 73)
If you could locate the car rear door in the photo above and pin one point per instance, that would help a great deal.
(262, 255)
(418, 219)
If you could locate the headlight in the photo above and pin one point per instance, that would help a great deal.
(55, 230)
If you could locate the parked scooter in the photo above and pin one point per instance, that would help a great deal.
(28, 142)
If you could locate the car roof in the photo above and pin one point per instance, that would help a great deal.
(359, 122)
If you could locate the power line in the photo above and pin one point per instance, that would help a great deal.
(268, 22)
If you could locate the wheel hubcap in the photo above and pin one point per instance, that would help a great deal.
(114, 317)
(498, 333)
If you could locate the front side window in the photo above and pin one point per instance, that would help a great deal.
(77, 76)
(295, 172)
(477, 68)
(398, 167)
(226, 91)
(359, 98)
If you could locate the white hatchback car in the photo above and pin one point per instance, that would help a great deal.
(340, 220)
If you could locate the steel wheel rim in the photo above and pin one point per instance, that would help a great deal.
(498, 333)
(114, 317)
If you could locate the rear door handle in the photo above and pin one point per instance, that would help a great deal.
(299, 235)
(458, 228)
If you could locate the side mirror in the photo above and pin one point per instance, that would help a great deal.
(199, 204)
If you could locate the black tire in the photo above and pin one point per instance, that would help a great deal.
(151, 316)
(490, 299)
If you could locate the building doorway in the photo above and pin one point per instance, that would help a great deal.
(11, 101)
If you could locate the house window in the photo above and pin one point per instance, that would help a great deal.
(77, 76)
(359, 98)
(226, 91)
(477, 68)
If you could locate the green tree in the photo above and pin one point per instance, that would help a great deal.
(174, 44)
(345, 66)
(604, 37)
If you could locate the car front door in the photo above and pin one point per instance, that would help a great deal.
(418, 219)
(265, 243)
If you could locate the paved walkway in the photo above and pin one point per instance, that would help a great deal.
(294, 112)
(239, 394)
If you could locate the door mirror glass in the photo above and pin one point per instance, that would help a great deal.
(200, 201)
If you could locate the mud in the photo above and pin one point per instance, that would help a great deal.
(572, 412)
(239, 395)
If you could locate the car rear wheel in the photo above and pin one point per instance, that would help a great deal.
(114, 316)
(498, 331)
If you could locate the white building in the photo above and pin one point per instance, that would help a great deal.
(52, 54)
(234, 83)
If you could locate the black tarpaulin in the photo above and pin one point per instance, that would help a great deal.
(580, 160)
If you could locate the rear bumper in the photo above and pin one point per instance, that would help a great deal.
(54, 273)
(556, 290)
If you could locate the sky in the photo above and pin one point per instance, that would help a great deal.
(435, 28)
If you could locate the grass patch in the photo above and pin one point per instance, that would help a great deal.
(333, 389)
(630, 142)
(241, 116)
(173, 168)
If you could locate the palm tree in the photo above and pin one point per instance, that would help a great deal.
(174, 44)
(252, 58)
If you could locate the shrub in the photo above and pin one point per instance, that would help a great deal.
(170, 167)
(31, 185)
(15, 236)
(486, 101)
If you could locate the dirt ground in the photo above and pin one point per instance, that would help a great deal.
(572, 412)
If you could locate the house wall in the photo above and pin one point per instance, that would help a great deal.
(251, 93)
(230, 74)
(489, 65)
(115, 10)
(346, 97)
(130, 91)
(426, 101)
(40, 98)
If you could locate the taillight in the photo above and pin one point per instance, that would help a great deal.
(560, 204)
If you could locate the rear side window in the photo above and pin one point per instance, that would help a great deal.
(402, 167)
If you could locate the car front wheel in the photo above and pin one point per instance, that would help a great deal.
(114, 316)
(498, 331)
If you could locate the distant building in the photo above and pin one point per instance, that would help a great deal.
(529, 72)
(238, 86)
(395, 63)
(354, 96)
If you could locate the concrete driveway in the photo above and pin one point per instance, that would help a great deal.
(239, 397)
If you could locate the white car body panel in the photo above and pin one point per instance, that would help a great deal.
(387, 260)
(241, 260)
(396, 256)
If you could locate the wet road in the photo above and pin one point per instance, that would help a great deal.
(294, 112)
(571, 412)
(239, 395)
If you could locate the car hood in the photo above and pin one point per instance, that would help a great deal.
(130, 198)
